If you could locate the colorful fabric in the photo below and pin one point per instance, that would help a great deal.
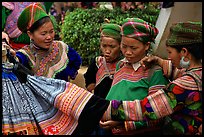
(30, 15)
(46, 106)
(47, 63)
(139, 29)
(101, 73)
(111, 30)
(180, 103)
(130, 84)
(185, 33)
(105, 69)
(16, 9)
(61, 61)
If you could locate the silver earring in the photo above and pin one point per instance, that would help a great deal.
(184, 64)
(31, 41)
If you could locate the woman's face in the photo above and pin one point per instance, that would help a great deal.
(110, 48)
(133, 50)
(174, 56)
(44, 35)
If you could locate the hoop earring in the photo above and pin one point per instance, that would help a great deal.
(184, 64)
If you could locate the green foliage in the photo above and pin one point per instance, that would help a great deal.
(81, 28)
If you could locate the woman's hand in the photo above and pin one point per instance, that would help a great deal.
(8, 47)
(147, 61)
(5, 36)
(91, 87)
(110, 124)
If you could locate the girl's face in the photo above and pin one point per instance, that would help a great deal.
(110, 48)
(174, 56)
(133, 50)
(43, 36)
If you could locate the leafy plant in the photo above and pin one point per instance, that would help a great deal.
(81, 27)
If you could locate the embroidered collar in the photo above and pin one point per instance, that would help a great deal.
(135, 65)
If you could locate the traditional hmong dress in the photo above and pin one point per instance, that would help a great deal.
(180, 103)
(132, 82)
(60, 62)
(101, 73)
(10, 13)
(47, 106)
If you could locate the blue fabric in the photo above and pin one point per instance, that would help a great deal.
(10, 75)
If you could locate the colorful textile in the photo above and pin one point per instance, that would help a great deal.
(101, 73)
(60, 62)
(105, 69)
(11, 25)
(180, 103)
(139, 29)
(46, 106)
(47, 63)
(185, 33)
(130, 84)
(111, 30)
(30, 15)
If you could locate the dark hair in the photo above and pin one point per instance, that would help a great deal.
(39, 23)
(194, 49)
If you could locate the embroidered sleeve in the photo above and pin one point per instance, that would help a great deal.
(154, 106)
(170, 71)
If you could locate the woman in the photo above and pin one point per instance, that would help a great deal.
(131, 81)
(10, 13)
(180, 102)
(44, 56)
(99, 75)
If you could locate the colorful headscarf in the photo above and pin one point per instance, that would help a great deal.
(30, 15)
(111, 30)
(139, 29)
(185, 33)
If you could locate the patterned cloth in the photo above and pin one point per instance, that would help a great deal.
(11, 25)
(47, 106)
(139, 29)
(30, 15)
(133, 82)
(185, 33)
(101, 73)
(180, 103)
(60, 61)
(111, 30)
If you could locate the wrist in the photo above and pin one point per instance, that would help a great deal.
(159, 61)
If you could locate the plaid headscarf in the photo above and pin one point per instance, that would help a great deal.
(30, 15)
(139, 29)
(111, 30)
(185, 33)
